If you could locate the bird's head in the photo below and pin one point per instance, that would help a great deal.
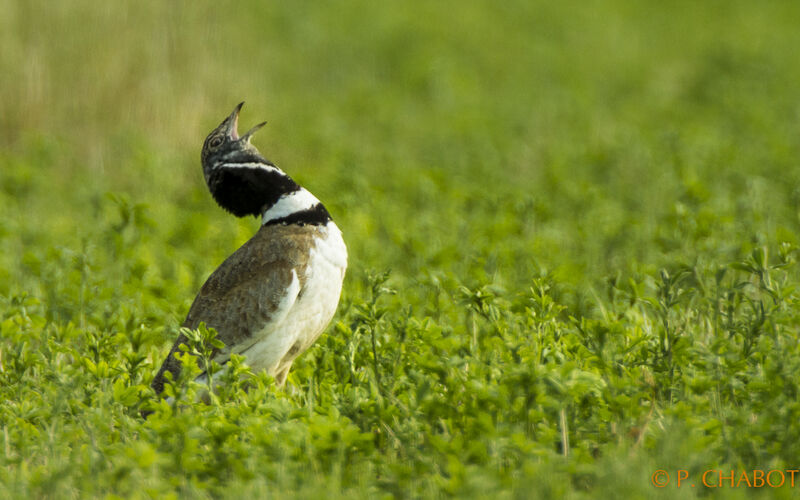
(241, 180)
(224, 144)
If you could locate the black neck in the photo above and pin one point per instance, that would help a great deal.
(248, 190)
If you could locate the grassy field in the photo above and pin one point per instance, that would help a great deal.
(573, 232)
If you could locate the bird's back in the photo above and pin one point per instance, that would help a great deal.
(271, 299)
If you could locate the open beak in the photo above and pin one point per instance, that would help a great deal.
(246, 137)
(231, 125)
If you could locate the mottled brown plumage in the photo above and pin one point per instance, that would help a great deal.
(253, 280)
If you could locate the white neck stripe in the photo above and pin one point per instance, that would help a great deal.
(253, 165)
(290, 203)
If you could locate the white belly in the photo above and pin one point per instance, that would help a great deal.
(310, 313)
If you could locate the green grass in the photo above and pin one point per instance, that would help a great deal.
(588, 212)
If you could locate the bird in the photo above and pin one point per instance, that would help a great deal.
(271, 299)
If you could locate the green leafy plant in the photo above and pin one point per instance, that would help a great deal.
(590, 214)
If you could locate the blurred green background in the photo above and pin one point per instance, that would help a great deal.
(484, 145)
(519, 136)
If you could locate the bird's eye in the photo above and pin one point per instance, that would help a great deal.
(215, 142)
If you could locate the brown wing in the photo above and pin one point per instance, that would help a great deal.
(245, 293)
